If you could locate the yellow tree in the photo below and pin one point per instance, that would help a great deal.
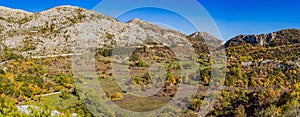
(171, 79)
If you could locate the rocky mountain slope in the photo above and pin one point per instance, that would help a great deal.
(58, 30)
(48, 32)
(279, 38)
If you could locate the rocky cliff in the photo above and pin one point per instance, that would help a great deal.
(279, 38)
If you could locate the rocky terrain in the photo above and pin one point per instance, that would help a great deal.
(58, 30)
(279, 38)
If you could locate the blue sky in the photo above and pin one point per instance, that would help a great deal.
(232, 17)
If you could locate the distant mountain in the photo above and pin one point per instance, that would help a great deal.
(279, 38)
(205, 40)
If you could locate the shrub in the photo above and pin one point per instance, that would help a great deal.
(116, 96)
(134, 57)
(28, 45)
(196, 104)
(141, 64)
(65, 94)
(253, 83)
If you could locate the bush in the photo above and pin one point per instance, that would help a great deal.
(105, 52)
(116, 96)
(253, 83)
(65, 94)
(134, 57)
(141, 64)
(28, 45)
(196, 104)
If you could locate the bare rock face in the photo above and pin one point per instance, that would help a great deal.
(279, 38)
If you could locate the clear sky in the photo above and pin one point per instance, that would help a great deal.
(232, 17)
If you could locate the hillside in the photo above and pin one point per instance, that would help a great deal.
(279, 38)
(57, 30)
(266, 69)
(42, 65)
(38, 53)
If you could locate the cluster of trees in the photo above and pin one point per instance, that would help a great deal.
(271, 102)
(267, 86)
(26, 78)
(23, 80)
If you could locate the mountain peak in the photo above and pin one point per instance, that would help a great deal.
(205, 35)
(13, 15)
(6, 9)
(135, 20)
(63, 8)
(202, 34)
(138, 21)
(204, 39)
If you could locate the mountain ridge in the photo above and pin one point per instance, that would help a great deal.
(59, 26)
(276, 38)
(64, 22)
